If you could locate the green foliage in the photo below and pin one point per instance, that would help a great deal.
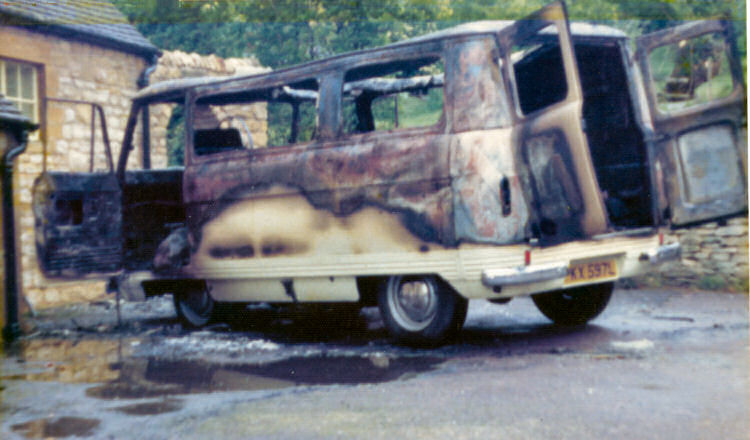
(414, 110)
(712, 282)
(280, 122)
(176, 137)
(281, 32)
(285, 32)
(741, 285)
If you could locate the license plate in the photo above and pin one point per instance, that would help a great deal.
(591, 271)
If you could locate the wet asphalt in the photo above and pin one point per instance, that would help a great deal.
(656, 364)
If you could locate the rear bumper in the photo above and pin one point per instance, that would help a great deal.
(523, 275)
(556, 272)
(663, 253)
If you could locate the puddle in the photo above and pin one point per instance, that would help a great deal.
(143, 378)
(151, 408)
(117, 373)
(67, 361)
(57, 427)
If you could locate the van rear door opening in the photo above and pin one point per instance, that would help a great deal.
(696, 94)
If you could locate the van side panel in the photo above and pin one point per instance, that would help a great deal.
(475, 90)
(387, 190)
(488, 198)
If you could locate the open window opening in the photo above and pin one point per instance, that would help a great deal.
(253, 119)
(691, 72)
(393, 95)
(540, 74)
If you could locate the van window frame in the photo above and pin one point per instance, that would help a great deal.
(573, 87)
(437, 127)
(193, 96)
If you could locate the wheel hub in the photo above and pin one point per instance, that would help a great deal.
(199, 302)
(415, 303)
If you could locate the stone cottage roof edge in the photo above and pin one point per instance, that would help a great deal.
(96, 21)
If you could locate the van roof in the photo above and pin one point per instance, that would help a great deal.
(578, 29)
(174, 90)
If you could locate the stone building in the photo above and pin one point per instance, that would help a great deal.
(86, 51)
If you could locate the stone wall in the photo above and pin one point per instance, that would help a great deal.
(80, 71)
(714, 257)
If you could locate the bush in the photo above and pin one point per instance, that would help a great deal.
(712, 282)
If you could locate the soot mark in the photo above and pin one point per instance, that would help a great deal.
(289, 288)
(234, 252)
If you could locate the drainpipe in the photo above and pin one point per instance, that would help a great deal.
(12, 329)
(143, 81)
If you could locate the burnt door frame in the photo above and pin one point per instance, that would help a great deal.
(78, 215)
(675, 132)
(561, 124)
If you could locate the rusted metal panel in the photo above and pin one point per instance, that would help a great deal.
(480, 163)
(401, 176)
(475, 94)
(548, 132)
(78, 224)
(699, 157)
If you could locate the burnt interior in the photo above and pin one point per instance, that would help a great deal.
(152, 208)
(216, 140)
(616, 142)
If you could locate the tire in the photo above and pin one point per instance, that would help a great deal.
(575, 306)
(194, 305)
(420, 310)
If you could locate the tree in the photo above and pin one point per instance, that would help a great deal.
(284, 32)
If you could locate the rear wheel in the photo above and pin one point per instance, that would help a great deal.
(420, 309)
(574, 306)
(194, 305)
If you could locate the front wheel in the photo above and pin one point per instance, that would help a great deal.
(574, 306)
(420, 309)
(194, 305)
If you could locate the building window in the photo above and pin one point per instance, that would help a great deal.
(18, 82)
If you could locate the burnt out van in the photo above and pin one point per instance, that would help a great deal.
(490, 160)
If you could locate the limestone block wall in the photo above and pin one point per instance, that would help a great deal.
(713, 257)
